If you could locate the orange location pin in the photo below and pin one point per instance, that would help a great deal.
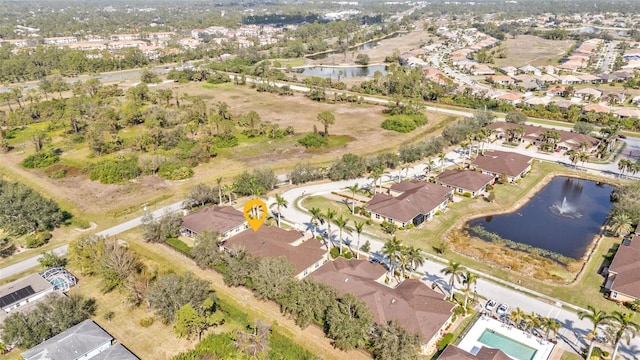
(255, 211)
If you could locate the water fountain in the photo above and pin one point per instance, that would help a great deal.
(564, 209)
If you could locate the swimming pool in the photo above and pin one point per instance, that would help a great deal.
(508, 346)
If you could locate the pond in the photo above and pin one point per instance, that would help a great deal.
(562, 218)
(342, 71)
(365, 46)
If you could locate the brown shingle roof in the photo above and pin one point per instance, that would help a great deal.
(453, 352)
(626, 265)
(570, 139)
(213, 218)
(270, 241)
(468, 180)
(418, 197)
(412, 304)
(498, 162)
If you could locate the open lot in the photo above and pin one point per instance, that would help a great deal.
(532, 50)
(357, 124)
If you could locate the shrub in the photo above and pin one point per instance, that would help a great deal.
(466, 194)
(146, 322)
(334, 252)
(409, 226)
(446, 340)
(313, 140)
(115, 171)
(41, 159)
(38, 239)
(404, 123)
(225, 141)
(389, 227)
(174, 171)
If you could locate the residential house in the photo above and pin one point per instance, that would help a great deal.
(615, 98)
(623, 276)
(534, 100)
(466, 181)
(558, 90)
(495, 163)
(482, 69)
(124, 37)
(303, 251)
(452, 352)
(412, 304)
(528, 69)
(569, 79)
(121, 44)
(509, 70)
(636, 100)
(225, 220)
(85, 340)
(501, 79)
(597, 108)
(61, 40)
(24, 291)
(409, 202)
(511, 98)
(532, 134)
(589, 94)
(548, 78)
(625, 113)
(588, 78)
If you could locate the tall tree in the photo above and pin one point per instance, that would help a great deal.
(392, 250)
(621, 327)
(317, 219)
(329, 217)
(391, 341)
(354, 189)
(342, 225)
(358, 226)
(348, 323)
(326, 118)
(414, 258)
(469, 279)
(455, 271)
(280, 202)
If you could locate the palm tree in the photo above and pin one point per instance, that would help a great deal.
(316, 219)
(354, 189)
(469, 279)
(414, 258)
(531, 321)
(329, 217)
(228, 190)
(549, 325)
(358, 226)
(281, 202)
(621, 328)
(375, 175)
(442, 157)
(219, 183)
(517, 316)
(621, 224)
(391, 250)
(455, 270)
(597, 318)
(342, 223)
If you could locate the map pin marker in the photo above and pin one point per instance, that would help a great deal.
(255, 211)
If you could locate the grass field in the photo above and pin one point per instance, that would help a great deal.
(532, 50)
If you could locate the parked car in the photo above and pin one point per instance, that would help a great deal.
(502, 309)
(490, 305)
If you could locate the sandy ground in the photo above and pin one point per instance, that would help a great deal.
(532, 50)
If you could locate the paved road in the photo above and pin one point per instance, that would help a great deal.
(125, 226)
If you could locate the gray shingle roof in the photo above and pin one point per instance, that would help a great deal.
(70, 344)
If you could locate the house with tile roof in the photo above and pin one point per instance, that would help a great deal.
(412, 304)
(409, 202)
(302, 250)
(532, 134)
(623, 276)
(452, 352)
(597, 108)
(222, 219)
(495, 163)
(85, 340)
(465, 181)
(589, 94)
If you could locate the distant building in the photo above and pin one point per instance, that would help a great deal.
(85, 340)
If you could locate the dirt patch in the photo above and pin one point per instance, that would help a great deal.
(536, 52)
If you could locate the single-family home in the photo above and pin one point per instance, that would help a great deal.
(636, 100)
(557, 90)
(597, 108)
(511, 98)
(412, 304)
(615, 98)
(623, 276)
(501, 79)
(409, 202)
(300, 249)
(24, 291)
(532, 134)
(625, 113)
(85, 340)
(509, 70)
(495, 163)
(528, 69)
(452, 352)
(465, 181)
(589, 94)
(225, 220)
